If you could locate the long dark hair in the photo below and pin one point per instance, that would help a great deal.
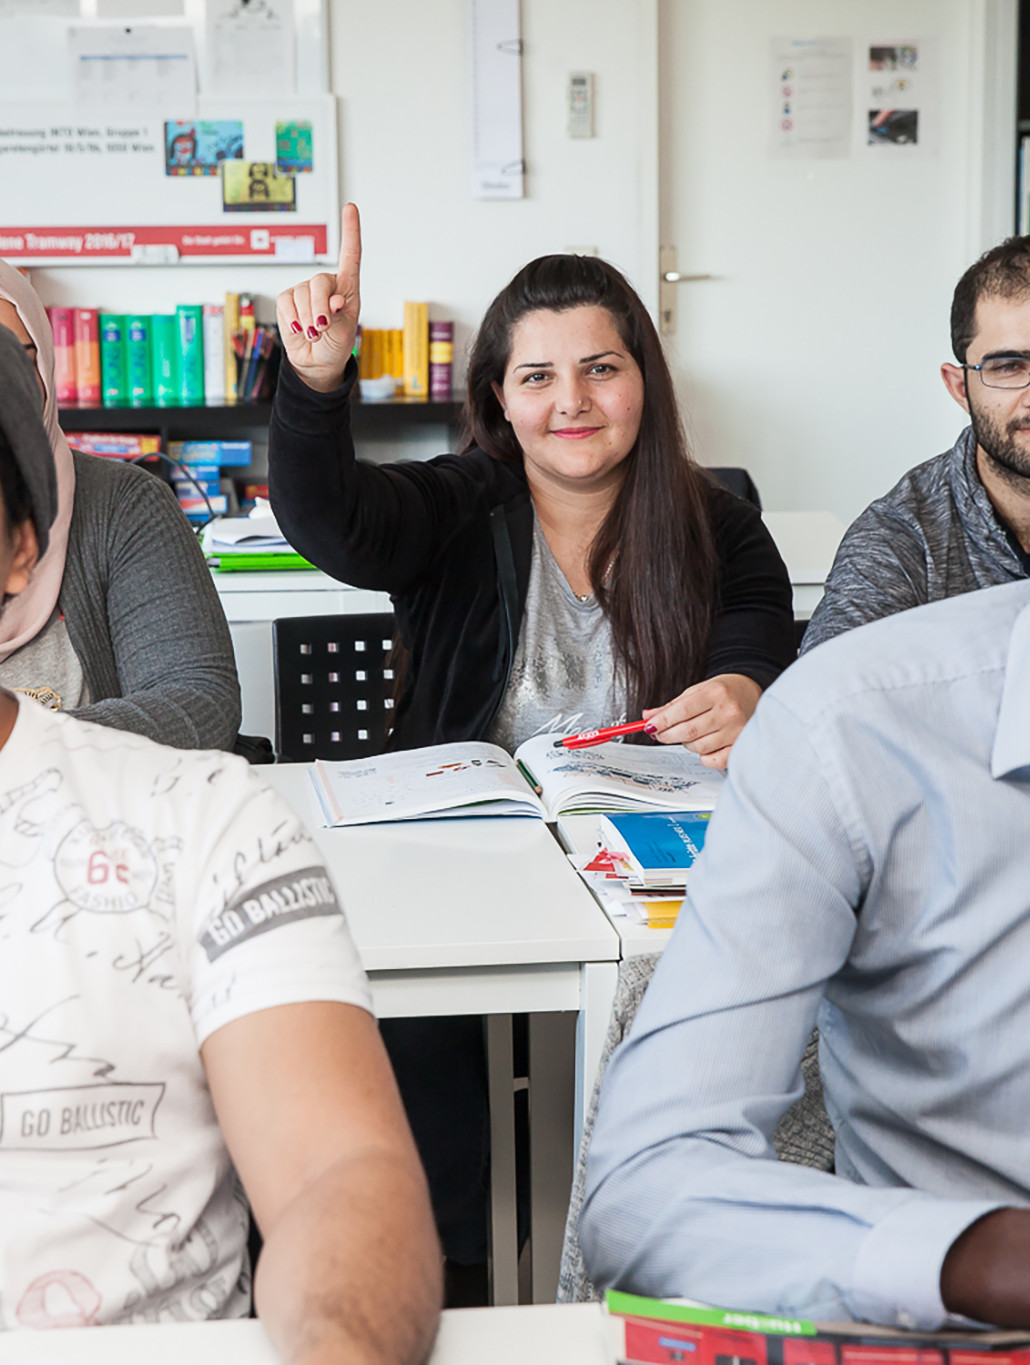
(661, 596)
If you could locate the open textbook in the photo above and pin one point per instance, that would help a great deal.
(472, 778)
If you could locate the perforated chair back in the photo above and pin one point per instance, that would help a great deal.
(333, 685)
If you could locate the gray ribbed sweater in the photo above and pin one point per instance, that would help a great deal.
(934, 535)
(142, 613)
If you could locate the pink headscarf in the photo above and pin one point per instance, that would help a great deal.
(24, 616)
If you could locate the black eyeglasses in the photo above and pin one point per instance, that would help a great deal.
(1003, 372)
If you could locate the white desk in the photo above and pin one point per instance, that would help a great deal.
(478, 916)
(551, 1334)
(808, 542)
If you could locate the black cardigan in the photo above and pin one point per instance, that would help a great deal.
(450, 539)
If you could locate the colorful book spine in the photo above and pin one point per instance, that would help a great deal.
(395, 365)
(123, 445)
(416, 349)
(113, 377)
(164, 359)
(62, 324)
(441, 358)
(87, 355)
(189, 318)
(218, 453)
(137, 359)
(214, 353)
(247, 384)
(231, 323)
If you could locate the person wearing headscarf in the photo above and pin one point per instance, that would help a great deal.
(120, 622)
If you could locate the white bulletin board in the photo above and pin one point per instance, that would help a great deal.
(239, 178)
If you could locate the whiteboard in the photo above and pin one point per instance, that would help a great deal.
(85, 184)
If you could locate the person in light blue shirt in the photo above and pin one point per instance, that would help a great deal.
(868, 870)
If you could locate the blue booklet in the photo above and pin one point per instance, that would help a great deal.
(660, 846)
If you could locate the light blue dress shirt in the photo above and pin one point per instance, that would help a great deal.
(868, 870)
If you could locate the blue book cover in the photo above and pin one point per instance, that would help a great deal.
(657, 842)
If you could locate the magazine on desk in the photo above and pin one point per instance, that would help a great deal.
(473, 778)
(659, 1332)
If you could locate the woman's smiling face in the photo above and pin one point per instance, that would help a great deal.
(574, 397)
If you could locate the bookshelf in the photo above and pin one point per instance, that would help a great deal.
(378, 417)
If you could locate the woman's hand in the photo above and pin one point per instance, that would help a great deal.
(318, 320)
(707, 717)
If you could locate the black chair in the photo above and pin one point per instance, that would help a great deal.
(333, 685)
(737, 480)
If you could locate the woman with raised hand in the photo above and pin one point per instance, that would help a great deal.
(572, 566)
(120, 622)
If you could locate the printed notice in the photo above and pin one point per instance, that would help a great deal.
(811, 97)
(900, 106)
(134, 68)
(250, 47)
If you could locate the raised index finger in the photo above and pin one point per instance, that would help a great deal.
(349, 269)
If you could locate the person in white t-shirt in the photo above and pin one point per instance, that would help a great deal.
(180, 1000)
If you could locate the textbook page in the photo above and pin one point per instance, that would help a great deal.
(618, 777)
(415, 784)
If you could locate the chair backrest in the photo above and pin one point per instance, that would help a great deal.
(737, 480)
(333, 685)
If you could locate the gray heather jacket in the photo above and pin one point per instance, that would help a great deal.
(934, 535)
(142, 613)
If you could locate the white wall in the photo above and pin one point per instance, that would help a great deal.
(812, 357)
(400, 69)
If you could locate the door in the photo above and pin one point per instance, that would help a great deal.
(811, 354)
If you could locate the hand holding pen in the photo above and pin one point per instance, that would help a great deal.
(586, 738)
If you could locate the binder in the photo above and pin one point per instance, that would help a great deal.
(137, 359)
(114, 387)
(189, 319)
(165, 361)
(87, 355)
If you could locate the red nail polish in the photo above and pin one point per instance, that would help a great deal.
(322, 320)
(650, 729)
(313, 333)
(296, 327)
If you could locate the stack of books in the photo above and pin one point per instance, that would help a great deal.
(197, 475)
(403, 354)
(201, 354)
(644, 1331)
(251, 542)
(645, 860)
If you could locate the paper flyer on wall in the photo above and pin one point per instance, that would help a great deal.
(899, 97)
(133, 69)
(810, 112)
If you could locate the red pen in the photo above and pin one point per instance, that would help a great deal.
(587, 737)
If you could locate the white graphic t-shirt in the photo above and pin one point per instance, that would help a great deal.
(148, 896)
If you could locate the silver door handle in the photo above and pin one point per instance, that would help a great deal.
(674, 277)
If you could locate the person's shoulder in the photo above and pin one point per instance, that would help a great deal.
(730, 515)
(500, 480)
(104, 478)
(918, 496)
(941, 641)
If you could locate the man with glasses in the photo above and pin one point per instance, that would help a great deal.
(960, 521)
